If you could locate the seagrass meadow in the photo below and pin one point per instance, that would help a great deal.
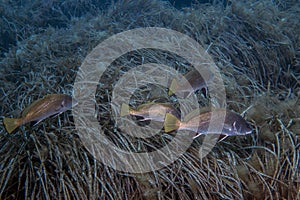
(255, 44)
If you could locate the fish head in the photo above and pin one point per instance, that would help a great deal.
(66, 103)
(235, 125)
(240, 127)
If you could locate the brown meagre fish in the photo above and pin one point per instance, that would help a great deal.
(191, 82)
(234, 124)
(51, 104)
(150, 111)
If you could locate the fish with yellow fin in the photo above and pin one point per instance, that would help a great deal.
(149, 111)
(51, 104)
(190, 82)
(233, 125)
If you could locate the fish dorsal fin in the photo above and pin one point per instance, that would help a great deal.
(222, 137)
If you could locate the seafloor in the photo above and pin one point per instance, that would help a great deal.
(255, 44)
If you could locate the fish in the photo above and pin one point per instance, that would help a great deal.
(234, 124)
(51, 104)
(190, 82)
(150, 111)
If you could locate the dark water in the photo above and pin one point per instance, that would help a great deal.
(182, 3)
(20, 19)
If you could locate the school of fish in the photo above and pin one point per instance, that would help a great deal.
(54, 104)
(233, 125)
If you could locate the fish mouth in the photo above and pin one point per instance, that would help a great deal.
(249, 130)
(74, 102)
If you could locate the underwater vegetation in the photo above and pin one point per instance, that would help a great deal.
(255, 44)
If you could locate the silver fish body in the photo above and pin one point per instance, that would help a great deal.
(234, 124)
(51, 104)
(150, 111)
(190, 82)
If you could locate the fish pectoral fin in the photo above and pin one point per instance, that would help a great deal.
(198, 134)
(144, 119)
(222, 137)
(34, 123)
(55, 115)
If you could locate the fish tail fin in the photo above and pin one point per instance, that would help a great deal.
(125, 110)
(173, 87)
(11, 124)
(171, 123)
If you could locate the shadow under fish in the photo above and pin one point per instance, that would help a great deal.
(51, 104)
